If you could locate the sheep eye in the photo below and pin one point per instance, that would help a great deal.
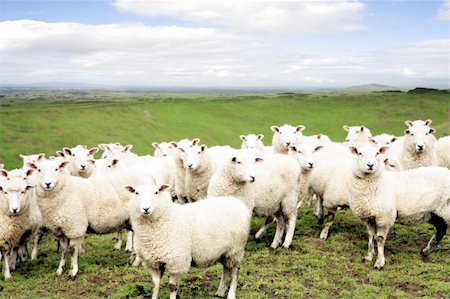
(239, 162)
(426, 133)
(109, 166)
(137, 193)
(6, 192)
(23, 192)
(156, 192)
(73, 155)
(56, 169)
(359, 154)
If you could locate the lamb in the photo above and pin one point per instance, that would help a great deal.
(173, 237)
(268, 187)
(357, 134)
(19, 216)
(442, 151)
(163, 149)
(284, 136)
(414, 196)
(81, 160)
(418, 145)
(70, 205)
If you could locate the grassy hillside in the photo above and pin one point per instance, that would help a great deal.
(310, 269)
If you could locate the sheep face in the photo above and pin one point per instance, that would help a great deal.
(192, 156)
(252, 141)
(419, 136)
(383, 139)
(32, 158)
(305, 155)
(80, 157)
(49, 173)
(107, 165)
(16, 194)
(162, 149)
(244, 168)
(147, 197)
(287, 134)
(110, 149)
(357, 134)
(369, 159)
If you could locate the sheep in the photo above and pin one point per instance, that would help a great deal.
(163, 149)
(379, 198)
(442, 151)
(19, 216)
(70, 205)
(173, 237)
(384, 139)
(357, 134)
(117, 150)
(418, 145)
(284, 136)
(81, 160)
(268, 187)
(31, 159)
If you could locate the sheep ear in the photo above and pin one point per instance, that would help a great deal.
(173, 144)
(234, 159)
(155, 145)
(300, 128)
(407, 131)
(29, 187)
(346, 128)
(130, 189)
(60, 154)
(408, 123)
(107, 148)
(67, 151)
(127, 148)
(22, 156)
(260, 136)
(275, 129)
(318, 148)
(195, 141)
(93, 150)
(383, 149)
(31, 165)
(362, 129)
(432, 131)
(372, 140)
(181, 150)
(40, 157)
(3, 173)
(203, 147)
(293, 148)
(29, 172)
(319, 136)
(393, 139)
(164, 187)
(354, 150)
(428, 122)
(257, 159)
(114, 162)
(101, 146)
(242, 137)
(63, 164)
(92, 162)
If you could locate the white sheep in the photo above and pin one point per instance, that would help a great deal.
(442, 151)
(19, 216)
(268, 187)
(180, 179)
(384, 139)
(357, 134)
(380, 197)
(284, 136)
(163, 149)
(173, 237)
(70, 205)
(32, 159)
(117, 150)
(418, 145)
(81, 160)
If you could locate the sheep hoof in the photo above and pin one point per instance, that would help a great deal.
(323, 235)
(71, 277)
(59, 271)
(367, 258)
(425, 252)
(220, 295)
(378, 266)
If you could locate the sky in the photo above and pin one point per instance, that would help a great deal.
(227, 44)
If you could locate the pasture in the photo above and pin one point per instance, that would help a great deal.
(312, 268)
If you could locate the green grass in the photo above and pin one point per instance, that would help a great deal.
(310, 269)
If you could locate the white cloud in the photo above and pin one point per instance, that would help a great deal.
(280, 17)
(444, 12)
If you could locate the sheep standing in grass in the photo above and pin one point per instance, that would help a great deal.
(285, 136)
(81, 160)
(70, 205)
(19, 216)
(173, 237)
(163, 149)
(418, 145)
(180, 179)
(268, 187)
(442, 151)
(380, 197)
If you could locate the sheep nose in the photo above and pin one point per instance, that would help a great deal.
(146, 210)
(287, 143)
(15, 210)
(83, 166)
(311, 165)
(48, 184)
(370, 165)
(420, 147)
(190, 166)
(252, 178)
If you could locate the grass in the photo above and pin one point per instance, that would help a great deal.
(312, 268)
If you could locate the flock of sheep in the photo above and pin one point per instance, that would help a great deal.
(190, 204)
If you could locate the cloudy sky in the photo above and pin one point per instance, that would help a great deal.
(232, 43)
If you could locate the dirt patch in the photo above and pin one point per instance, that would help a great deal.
(411, 288)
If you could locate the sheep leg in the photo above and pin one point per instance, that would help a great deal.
(328, 224)
(441, 230)
(224, 281)
(63, 246)
(233, 285)
(290, 229)
(6, 271)
(319, 209)
(76, 245)
(23, 252)
(371, 248)
(279, 231)
(37, 241)
(129, 246)
(118, 244)
(156, 278)
(381, 239)
(263, 229)
(173, 282)
(13, 259)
